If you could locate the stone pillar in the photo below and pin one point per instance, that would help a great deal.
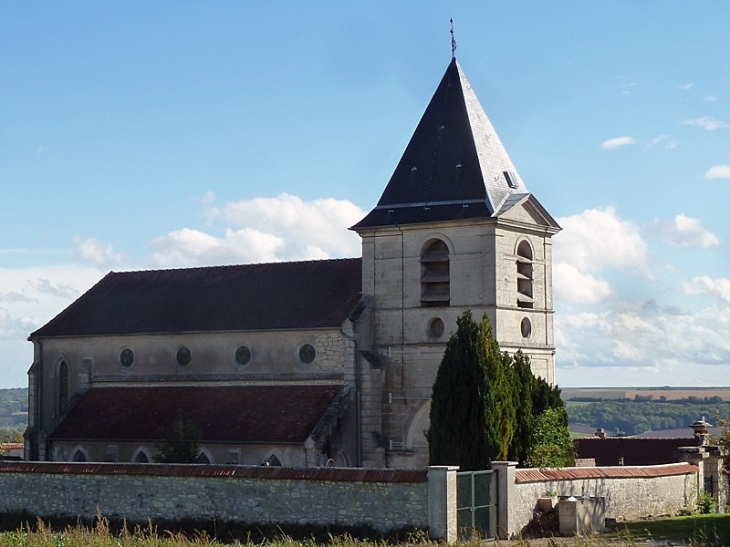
(442, 504)
(505, 472)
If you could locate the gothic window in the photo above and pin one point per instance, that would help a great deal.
(524, 275)
(142, 455)
(62, 385)
(435, 277)
(79, 455)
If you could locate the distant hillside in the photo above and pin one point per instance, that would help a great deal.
(644, 393)
(14, 408)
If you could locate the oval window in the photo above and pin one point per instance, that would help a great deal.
(184, 356)
(435, 327)
(526, 327)
(243, 355)
(126, 358)
(307, 353)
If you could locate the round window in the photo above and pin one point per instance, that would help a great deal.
(184, 356)
(307, 353)
(526, 327)
(126, 357)
(243, 355)
(435, 328)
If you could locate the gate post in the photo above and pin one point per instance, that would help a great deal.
(442, 503)
(505, 492)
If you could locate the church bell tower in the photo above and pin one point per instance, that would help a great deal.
(455, 229)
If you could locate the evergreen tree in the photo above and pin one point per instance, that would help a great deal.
(525, 391)
(463, 430)
(181, 443)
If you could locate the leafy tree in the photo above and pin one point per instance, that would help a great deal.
(551, 444)
(181, 443)
(462, 430)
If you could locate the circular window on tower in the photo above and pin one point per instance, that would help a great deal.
(526, 327)
(435, 327)
(184, 356)
(126, 357)
(243, 355)
(307, 353)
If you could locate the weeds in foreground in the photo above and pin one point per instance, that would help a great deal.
(699, 530)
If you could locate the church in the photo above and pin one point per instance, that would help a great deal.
(313, 363)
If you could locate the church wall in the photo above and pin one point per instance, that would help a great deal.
(243, 454)
(274, 357)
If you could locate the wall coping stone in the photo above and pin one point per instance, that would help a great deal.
(340, 474)
(577, 473)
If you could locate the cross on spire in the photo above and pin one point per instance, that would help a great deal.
(453, 40)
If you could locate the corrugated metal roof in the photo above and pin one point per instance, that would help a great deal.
(338, 474)
(287, 295)
(579, 473)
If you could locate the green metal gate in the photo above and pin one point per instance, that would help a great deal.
(476, 504)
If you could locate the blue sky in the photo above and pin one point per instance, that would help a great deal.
(138, 135)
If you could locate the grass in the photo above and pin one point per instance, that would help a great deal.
(700, 530)
(712, 529)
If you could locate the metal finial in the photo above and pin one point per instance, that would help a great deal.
(453, 40)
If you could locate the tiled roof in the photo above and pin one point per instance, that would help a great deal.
(453, 166)
(287, 295)
(240, 414)
(578, 473)
(633, 450)
(238, 471)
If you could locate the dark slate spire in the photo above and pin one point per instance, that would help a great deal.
(454, 167)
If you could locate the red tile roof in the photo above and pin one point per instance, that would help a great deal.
(236, 414)
(578, 473)
(288, 295)
(238, 471)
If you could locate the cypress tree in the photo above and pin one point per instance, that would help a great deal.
(526, 387)
(461, 431)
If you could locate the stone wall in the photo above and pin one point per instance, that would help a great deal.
(385, 500)
(630, 492)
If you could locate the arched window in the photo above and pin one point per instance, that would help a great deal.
(62, 385)
(79, 455)
(142, 455)
(435, 277)
(524, 275)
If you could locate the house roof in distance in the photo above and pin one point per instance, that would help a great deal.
(285, 295)
(454, 166)
(241, 414)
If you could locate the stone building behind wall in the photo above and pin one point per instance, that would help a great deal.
(319, 362)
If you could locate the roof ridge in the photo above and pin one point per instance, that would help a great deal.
(230, 266)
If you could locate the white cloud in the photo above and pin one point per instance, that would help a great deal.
(718, 172)
(267, 229)
(716, 289)
(656, 141)
(687, 86)
(96, 252)
(710, 98)
(707, 123)
(683, 231)
(597, 239)
(644, 338)
(671, 145)
(572, 286)
(29, 298)
(626, 88)
(618, 142)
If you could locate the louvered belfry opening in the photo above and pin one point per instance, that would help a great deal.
(435, 276)
(524, 276)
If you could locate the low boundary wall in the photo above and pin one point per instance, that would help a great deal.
(630, 492)
(386, 500)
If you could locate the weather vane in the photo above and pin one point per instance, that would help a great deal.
(453, 40)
